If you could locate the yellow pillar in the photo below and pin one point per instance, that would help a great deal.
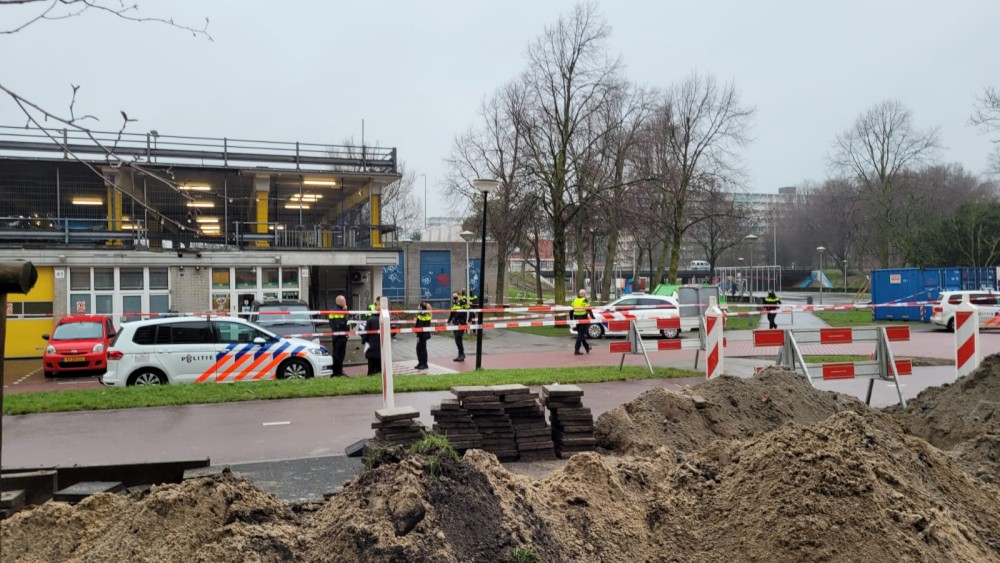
(114, 209)
(262, 187)
(376, 207)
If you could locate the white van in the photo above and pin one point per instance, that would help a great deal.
(699, 265)
(208, 350)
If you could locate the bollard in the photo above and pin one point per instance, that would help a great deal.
(967, 351)
(385, 338)
(713, 339)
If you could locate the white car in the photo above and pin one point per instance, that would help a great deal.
(666, 307)
(204, 350)
(943, 314)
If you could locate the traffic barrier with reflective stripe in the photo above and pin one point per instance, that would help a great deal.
(967, 351)
(881, 365)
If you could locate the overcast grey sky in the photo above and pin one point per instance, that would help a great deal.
(417, 71)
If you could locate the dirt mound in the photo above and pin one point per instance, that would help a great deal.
(851, 487)
(426, 508)
(980, 456)
(950, 414)
(723, 408)
(219, 518)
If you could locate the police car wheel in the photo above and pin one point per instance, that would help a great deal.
(670, 333)
(595, 331)
(146, 377)
(951, 325)
(294, 369)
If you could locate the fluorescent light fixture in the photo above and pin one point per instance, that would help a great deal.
(319, 182)
(196, 188)
(207, 219)
(128, 227)
(280, 227)
(200, 204)
(306, 197)
(297, 206)
(88, 201)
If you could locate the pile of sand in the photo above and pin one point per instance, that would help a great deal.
(723, 408)
(950, 414)
(963, 417)
(221, 518)
(766, 469)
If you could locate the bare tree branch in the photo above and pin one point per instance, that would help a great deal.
(75, 8)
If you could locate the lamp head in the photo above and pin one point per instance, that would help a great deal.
(467, 236)
(484, 185)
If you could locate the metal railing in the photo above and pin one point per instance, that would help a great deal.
(155, 149)
(72, 231)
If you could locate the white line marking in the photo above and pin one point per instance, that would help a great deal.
(281, 423)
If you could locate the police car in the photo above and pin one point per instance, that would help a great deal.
(943, 313)
(207, 350)
(664, 307)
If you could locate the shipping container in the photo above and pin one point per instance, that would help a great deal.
(903, 285)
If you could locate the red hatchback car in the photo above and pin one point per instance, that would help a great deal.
(78, 345)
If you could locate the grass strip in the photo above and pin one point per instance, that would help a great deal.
(192, 394)
(742, 323)
(855, 317)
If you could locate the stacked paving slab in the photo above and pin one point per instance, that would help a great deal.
(398, 426)
(572, 423)
(491, 420)
(531, 434)
(455, 422)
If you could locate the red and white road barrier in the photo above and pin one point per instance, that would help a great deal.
(967, 351)
(714, 322)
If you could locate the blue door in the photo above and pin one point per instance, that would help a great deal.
(394, 280)
(435, 276)
(474, 273)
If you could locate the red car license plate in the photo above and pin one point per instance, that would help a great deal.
(74, 359)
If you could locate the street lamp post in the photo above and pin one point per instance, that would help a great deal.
(425, 209)
(467, 236)
(751, 239)
(821, 250)
(484, 186)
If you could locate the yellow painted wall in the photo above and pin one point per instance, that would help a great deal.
(24, 336)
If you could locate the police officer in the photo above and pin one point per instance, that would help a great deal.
(373, 350)
(771, 303)
(338, 323)
(458, 317)
(423, 320)
(581, 314)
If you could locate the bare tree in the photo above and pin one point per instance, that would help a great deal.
(622, 118)
(399, 205)
(495, 149)
(877, 150)
(987, 117)
(567, 81)
(690, 148)
(726, 223)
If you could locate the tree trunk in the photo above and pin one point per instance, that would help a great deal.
(559, 262)
(580, 256)
(675, 258)
(661, 263)
(501, 278)
(539, 298)
(609, 264)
